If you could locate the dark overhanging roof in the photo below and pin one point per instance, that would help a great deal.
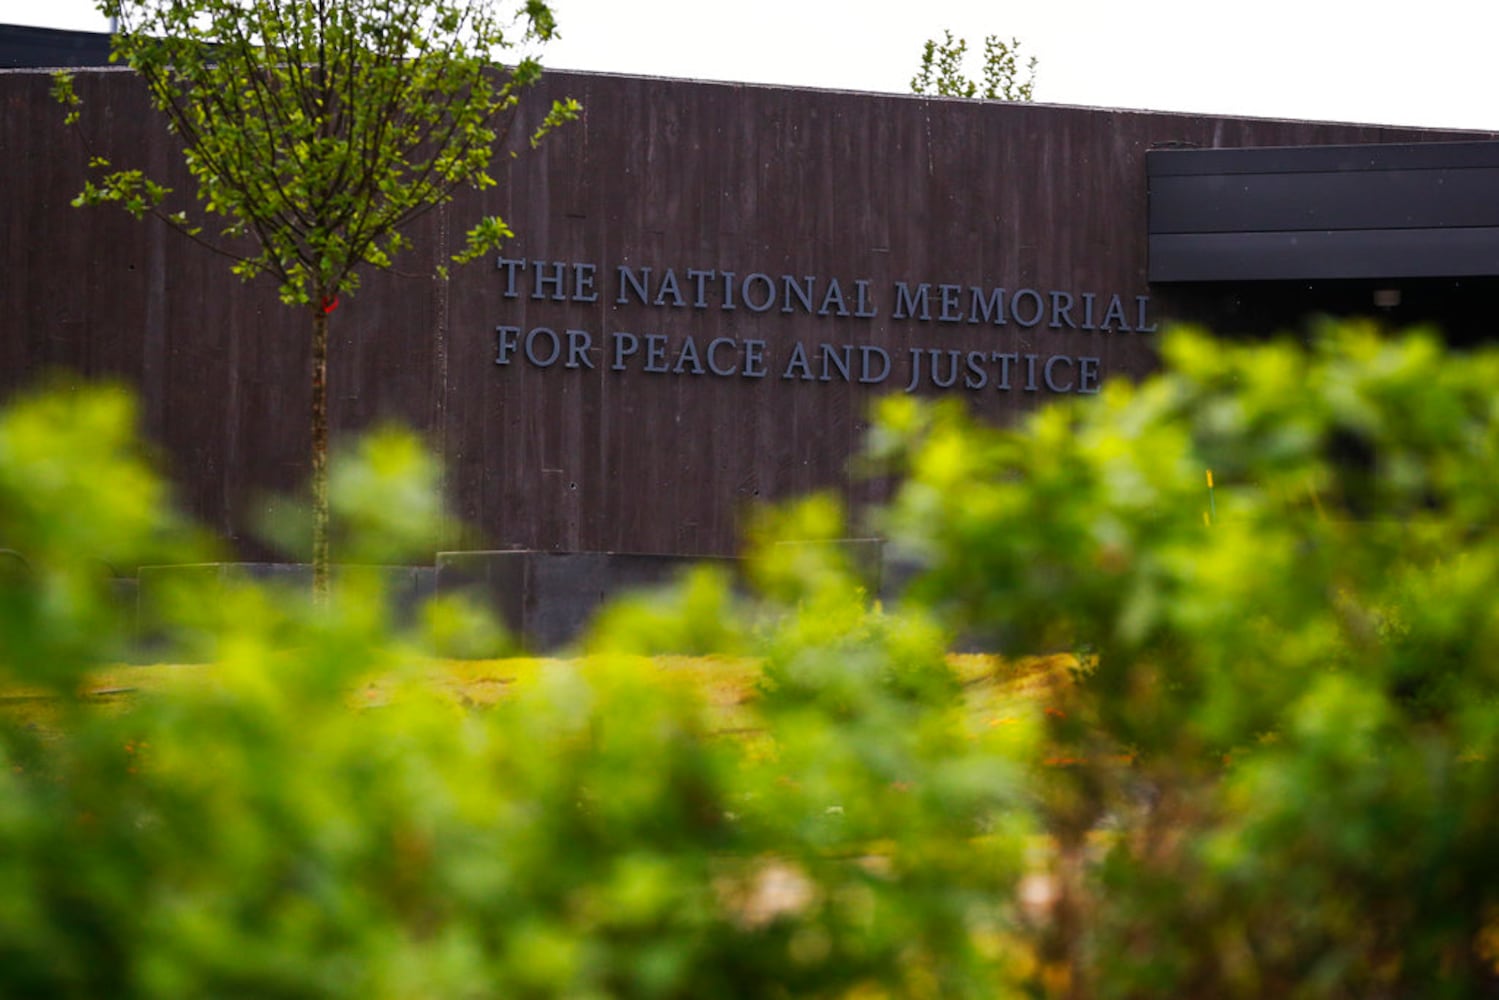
(1405, 210)
(23, 47)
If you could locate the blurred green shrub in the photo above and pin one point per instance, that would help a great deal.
(1271, 770)
(276, 825)
(77, 499)
(1279, 568)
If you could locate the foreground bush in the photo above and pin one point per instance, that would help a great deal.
(1271, 772)
(1279, 568)
(274, 825)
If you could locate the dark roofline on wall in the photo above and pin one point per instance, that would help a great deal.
(1376, 211)
(25, 47)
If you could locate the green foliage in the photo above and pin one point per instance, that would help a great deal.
(942, 71)
(318, 130)
(1280, 756)
(76, 500)
(279, 823)
(1271, 770)
(64, 93)
(385, 495)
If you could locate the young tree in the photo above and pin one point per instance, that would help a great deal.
(320, 129)
(942, 73)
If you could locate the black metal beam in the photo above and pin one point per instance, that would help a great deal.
(23, 47)
(1376, 211)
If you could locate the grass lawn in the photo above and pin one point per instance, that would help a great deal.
(727, 684)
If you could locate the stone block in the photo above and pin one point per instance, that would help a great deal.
(547, 598)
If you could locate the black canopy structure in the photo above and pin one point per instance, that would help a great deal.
(34, 48)
(1374, 211)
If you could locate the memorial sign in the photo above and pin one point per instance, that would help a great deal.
(825, 298)
(710, 286)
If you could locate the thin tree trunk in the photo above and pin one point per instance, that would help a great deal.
(319, 446)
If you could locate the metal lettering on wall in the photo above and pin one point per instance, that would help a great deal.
(828, 298)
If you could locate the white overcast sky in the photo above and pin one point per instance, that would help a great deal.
(1430, 63)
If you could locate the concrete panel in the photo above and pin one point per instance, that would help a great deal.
(547, 599)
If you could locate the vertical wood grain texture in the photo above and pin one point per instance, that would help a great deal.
(660, 174)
